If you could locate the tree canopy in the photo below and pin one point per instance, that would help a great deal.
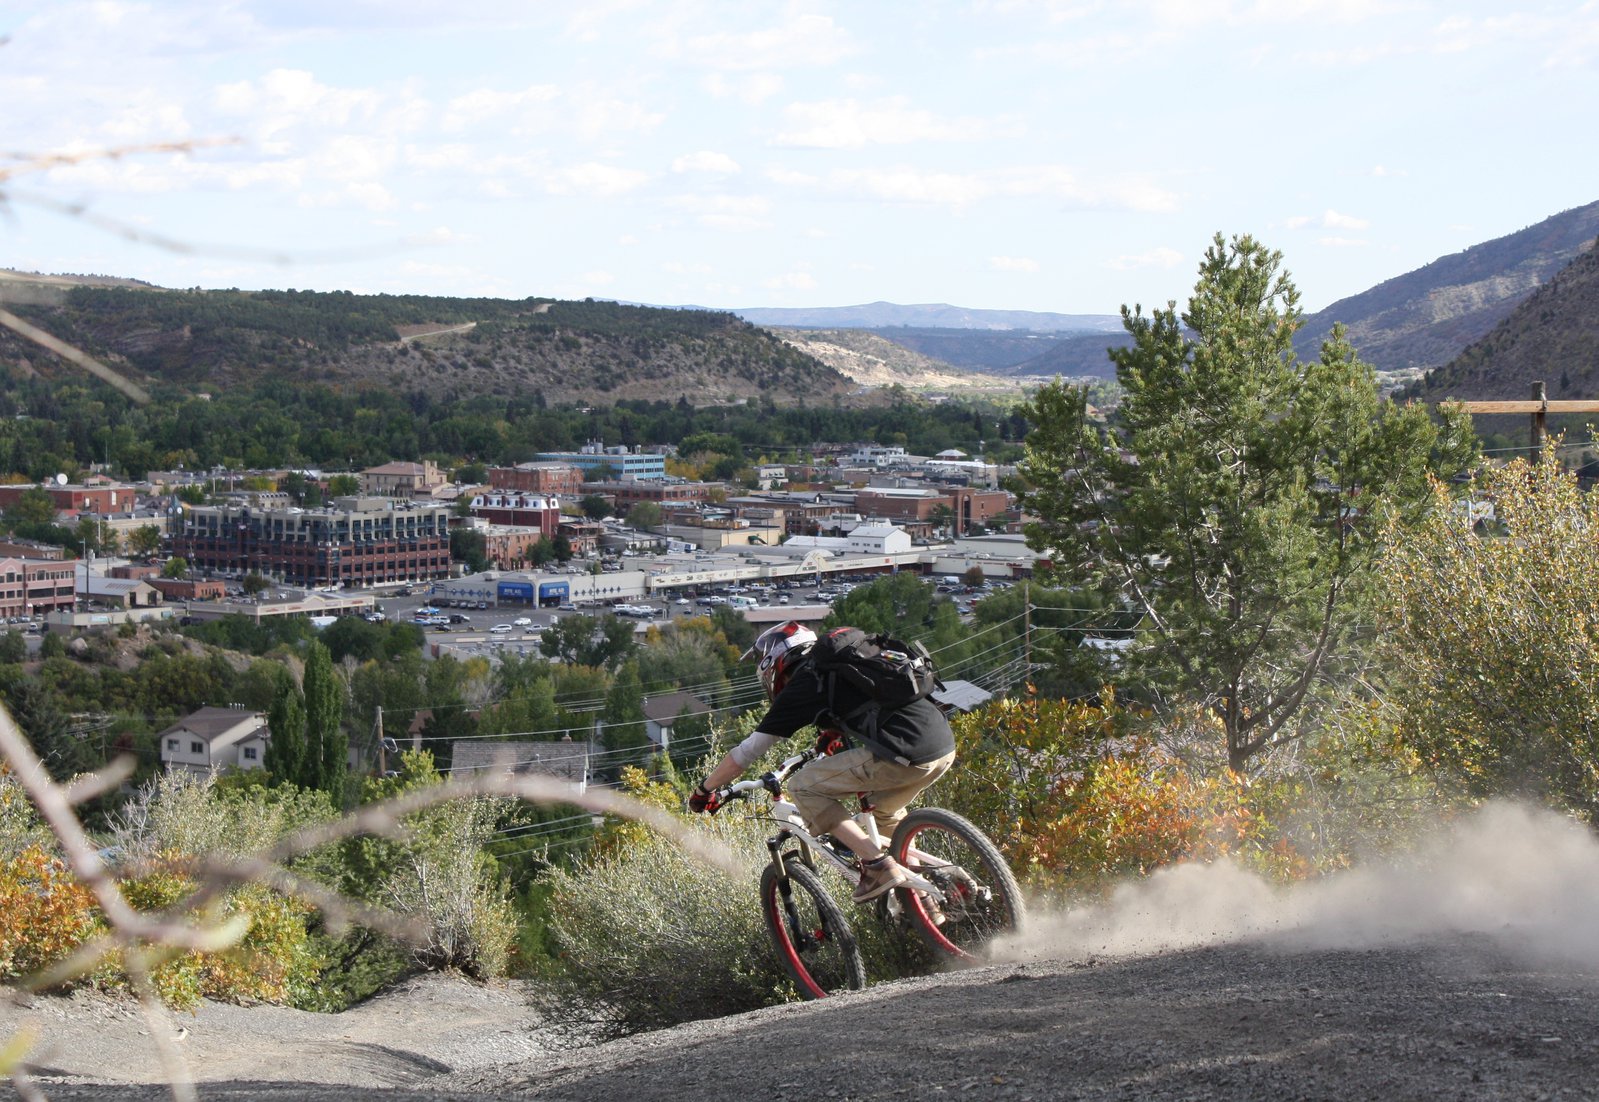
(1232, 502)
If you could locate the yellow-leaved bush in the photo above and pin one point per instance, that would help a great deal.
(1081, 794)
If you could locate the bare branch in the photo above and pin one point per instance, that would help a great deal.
(73, 355)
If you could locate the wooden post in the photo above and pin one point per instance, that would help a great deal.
(1541, 396)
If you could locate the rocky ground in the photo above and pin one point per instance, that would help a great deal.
(1465, 1016)
(1469, 970)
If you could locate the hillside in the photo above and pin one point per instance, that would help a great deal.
(1552, 337)
(1423, 319)
(414, 344)
(874, 361)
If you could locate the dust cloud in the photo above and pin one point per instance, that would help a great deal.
(1527, 877)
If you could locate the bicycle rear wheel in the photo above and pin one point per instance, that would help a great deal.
(981, 898)
(814, 941)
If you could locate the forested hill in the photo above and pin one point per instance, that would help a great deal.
(1552, 337)
(1425, 318)
(443, 347)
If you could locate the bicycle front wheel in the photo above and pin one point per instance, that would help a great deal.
(813, 938)
(981, 898)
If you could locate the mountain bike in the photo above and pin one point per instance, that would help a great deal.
(961, 894)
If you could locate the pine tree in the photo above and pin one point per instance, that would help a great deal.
(1232, 504)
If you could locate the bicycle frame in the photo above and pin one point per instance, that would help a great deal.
(791, 827)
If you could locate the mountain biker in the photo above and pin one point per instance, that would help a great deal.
(917, 747)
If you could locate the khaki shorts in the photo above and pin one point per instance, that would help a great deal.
(818, 788)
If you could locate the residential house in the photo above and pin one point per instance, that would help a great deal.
(214, 739)
(662, 712)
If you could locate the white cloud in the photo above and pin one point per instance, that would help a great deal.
(287, 99)
(849, 124)
(732, 213)
(1013, 263)
(751, 88)
(1328, 220)
(486, 105)
(961, 189)
(706, 161)
(597, 119)
(790, 281)
(593, 178)
(1161, 257)
(805, 40)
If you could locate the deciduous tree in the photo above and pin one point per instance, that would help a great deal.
(1494, 637)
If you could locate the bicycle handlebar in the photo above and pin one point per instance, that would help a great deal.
(770, 782)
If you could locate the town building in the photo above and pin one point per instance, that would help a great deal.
(554, 479)
(506, 545)
(69, 498)
(663, 711)
(35, 587)
(599, 463)
(624, 495)
(214, 739)
(358, 541)
(519, 510)
(402, 479)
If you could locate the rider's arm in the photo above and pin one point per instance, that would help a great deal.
(740, 758)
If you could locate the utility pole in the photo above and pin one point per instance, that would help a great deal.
(1539, 407)
(1027, 630)
(383, 749)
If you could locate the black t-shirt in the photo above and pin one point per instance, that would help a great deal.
(917, 733)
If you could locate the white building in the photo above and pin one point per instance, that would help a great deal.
(877, 539)
(215, 738)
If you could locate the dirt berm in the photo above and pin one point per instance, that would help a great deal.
(1447, 1017)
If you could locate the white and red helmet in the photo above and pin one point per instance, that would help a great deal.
(776, 648)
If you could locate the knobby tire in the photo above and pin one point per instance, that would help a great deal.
(816, 946)
(982, 899)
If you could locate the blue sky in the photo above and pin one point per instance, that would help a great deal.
(1006, 154)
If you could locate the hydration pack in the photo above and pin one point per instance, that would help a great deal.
(889, 673)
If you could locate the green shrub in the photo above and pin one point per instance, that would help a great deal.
(649, 936)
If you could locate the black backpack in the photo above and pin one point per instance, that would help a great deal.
(887, 672)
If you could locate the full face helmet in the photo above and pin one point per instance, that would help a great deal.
(778, 648)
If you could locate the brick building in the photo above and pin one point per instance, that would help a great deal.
(519, 510)
(558, 479)
(77, 499)
(33, 587)
(358, 541)
(628, 494)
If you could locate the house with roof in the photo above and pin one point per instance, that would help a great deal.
(215, 739)
(402, 479)
(961, 696)
(663, 711)
(565, 759)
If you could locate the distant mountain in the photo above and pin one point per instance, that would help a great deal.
(884, 315)
(1423, 319)
(1551, 337)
